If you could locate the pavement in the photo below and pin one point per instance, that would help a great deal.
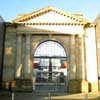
(5, 95)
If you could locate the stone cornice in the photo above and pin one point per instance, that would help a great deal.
(51, 24)
(86, 25)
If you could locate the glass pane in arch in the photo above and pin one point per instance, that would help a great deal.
(49, 60)
(50, 48)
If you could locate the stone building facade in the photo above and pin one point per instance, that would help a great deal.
(72, 31)
(2, 31)
(97, 22)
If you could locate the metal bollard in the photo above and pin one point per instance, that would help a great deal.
(12, 96)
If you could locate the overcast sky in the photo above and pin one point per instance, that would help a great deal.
(9, 9)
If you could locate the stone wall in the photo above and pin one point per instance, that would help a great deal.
(20, 48)
(98, 47)
(9, 53)
(2, 34)
(74, 46)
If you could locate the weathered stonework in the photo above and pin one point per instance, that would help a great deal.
(24, 36)
(2, 35)
(9, 58)
(93, 87)
(78, 86)
(19, 57)
(72, 65)
(98, 46)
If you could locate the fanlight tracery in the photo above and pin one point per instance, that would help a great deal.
(50, 48)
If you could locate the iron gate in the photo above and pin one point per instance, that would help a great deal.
(50, 70)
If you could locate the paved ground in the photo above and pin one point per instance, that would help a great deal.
(31, 96)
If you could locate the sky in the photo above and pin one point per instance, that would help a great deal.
(9, 9)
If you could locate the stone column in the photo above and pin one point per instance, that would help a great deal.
(80, 56)
(98, 61)
(99, 69)
(27, 67)
(23, 54)
(91, 59)
(73, 86)
(18, 57)
(81, 64)
(72, 68)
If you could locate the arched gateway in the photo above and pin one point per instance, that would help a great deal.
(50, 67)
(52, 47)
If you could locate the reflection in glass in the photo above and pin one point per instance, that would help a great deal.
(50, 61)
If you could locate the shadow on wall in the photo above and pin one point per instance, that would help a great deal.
(2, 29)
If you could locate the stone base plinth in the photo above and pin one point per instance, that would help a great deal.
(99, 85)
(77, 86)
(22, 85)
(93, 87)
(5, 85)
(84, 86)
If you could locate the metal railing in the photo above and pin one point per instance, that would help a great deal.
(45, 85)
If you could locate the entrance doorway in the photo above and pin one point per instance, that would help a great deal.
(50, 67)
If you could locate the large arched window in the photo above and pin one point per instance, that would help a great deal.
(50, 56)
(50, 48)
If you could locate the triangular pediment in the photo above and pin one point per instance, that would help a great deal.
(49, 15)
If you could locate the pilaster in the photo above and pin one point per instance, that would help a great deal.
(80, 63)
(18, 57)
(78, 82)
(91, 59)
(27, 67)
(72, 67)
